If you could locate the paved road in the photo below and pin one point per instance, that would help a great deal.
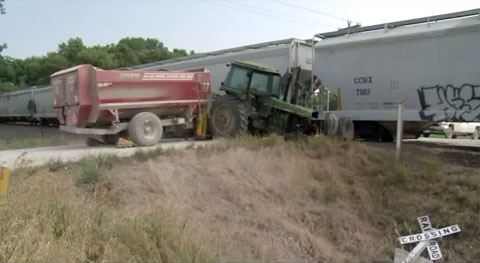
(40, 156)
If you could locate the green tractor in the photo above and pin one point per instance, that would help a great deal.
(260, 100)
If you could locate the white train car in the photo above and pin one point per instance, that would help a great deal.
(431, 63)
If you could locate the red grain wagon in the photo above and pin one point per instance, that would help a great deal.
(134, 103)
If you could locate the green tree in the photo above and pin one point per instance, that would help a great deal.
(2, 47)
(50, 64)
(2, 8)
(125, 55)
(71, 49)
(179, 53)
(99, 57)
(19, 73)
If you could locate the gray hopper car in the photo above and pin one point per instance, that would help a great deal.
(431, 63)
(34, 105)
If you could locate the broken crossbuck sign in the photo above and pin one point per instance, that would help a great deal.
(427, 239)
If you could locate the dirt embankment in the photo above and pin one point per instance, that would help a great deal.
(245, 199)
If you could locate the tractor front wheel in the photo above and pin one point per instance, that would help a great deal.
(228, 117)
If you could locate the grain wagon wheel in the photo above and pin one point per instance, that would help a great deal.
(228, 117)
(145, 129)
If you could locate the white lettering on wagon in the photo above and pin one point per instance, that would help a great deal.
(170, 76)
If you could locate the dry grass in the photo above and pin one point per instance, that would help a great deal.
(245, 199)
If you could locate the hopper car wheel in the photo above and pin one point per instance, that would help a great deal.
(345, 129)
(228, 117)
(331, 124)
(145, 129)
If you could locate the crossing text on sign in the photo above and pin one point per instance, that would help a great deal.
(430, 235)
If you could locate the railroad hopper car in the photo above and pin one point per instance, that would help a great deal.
(281, 54)
(136, 104)
(432, 64)
(34, 105)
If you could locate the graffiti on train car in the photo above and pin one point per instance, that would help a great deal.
(457, 103)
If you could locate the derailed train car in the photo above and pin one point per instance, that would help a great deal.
(34, 105)
(431, 63)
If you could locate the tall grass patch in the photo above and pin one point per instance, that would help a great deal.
(94, 167)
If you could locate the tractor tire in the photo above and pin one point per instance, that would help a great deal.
(228, 117)
(145, 129)
(345, 129)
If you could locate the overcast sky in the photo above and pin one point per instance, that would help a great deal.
(34, 27)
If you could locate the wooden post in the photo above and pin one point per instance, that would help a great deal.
(398, 150)
(5, 173)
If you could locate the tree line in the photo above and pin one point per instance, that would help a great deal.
(21, 73)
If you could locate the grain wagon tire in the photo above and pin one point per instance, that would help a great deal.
(449, 133)
(345, 129)
(145, 129)
(228, 117)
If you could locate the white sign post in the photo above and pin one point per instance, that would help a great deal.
(398, 148)
(427, 240)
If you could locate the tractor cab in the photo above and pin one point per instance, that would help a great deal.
(251, 79)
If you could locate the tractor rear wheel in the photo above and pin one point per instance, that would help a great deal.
(228, 117)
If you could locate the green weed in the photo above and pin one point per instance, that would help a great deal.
(94, 167)
(59, 219)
